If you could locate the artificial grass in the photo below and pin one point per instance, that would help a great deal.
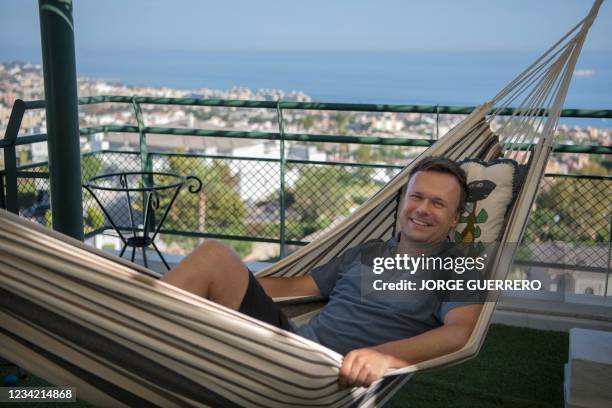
(516, 367)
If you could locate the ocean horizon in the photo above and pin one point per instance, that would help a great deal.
(415, 77)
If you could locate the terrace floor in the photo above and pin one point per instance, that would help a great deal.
(517, 367)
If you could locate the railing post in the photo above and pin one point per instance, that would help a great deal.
(437, 122)
(145, 160)
(609, 258)
(59, 69)
(281, 132)
(10, 156)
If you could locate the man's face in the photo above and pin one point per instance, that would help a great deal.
(430, 207)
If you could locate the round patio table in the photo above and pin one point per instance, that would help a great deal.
(139, 195)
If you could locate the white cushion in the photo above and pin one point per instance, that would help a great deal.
(491, 189)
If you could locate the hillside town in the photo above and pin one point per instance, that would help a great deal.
(255, 208)
(24, 81)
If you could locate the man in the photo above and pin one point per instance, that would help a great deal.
(373, 335)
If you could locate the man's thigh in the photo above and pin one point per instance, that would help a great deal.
(213, 271)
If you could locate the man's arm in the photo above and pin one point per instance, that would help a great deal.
(285, 287)
(362, 367)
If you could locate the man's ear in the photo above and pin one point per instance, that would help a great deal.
(456, 218)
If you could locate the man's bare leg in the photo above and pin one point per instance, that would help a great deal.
(212, 271)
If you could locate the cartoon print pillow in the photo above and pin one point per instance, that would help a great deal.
(492, 187)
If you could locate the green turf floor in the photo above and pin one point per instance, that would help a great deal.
(516, 367)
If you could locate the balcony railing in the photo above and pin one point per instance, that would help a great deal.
(282, 200)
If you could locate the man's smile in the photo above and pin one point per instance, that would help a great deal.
(420, 223)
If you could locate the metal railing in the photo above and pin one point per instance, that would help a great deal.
(280, 200)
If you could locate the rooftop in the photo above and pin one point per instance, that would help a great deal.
(261, 157)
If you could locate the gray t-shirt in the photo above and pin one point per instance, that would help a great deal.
(350, 321)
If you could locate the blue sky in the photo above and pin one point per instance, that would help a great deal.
(384, 25)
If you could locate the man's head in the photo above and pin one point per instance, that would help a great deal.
(435, 197)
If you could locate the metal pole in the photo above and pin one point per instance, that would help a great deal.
(437, 122)
(146, 165)
(59, 68)
(283, 165)
(609, 258)
(10, 157)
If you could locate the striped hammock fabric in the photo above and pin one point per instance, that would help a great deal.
(80, 317)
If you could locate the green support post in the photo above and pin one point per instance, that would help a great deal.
(146, 165)
(283, 164)
(11, 201)
(145, 160)
(437, 122)
(59, 69)
(609, 258)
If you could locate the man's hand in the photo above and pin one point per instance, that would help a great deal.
(361, 367)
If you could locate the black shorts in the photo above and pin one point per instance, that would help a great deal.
(256, 303)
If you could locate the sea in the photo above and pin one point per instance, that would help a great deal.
(407, 77)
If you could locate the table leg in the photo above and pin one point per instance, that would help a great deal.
(144, 257)
(160, 255)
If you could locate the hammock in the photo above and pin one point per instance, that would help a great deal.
(80, 317)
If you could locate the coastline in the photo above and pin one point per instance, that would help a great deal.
(419, 77)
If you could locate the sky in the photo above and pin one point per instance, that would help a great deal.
(325, 25)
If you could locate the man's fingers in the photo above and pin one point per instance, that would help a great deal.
(353, 375)
(358, 370)
(371, 378)
(362, 367)
(361, 377)
(345, 369)
(354, 371)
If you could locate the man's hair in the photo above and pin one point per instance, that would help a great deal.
(444, 165)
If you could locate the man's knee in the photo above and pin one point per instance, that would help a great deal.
(217, 257)
(213, 248)
(226, 273)
(214, 252)
(211, 270)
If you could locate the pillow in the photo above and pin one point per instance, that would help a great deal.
(492, 187)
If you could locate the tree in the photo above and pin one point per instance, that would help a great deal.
(23, 157)
(216, 209)
(342, 120)
(320, 197)
(365, 155)
(27, 199)
(94, 219)
(594, 169)
(48, 219)
(91, 166)
(308, 122)
(573, 209)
